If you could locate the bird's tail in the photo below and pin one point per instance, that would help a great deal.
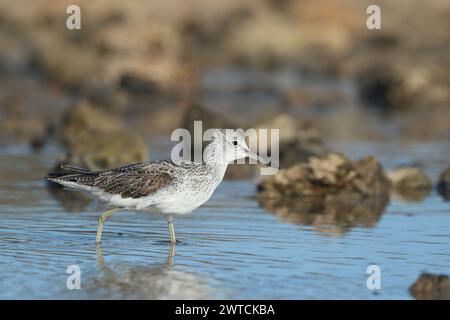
(74, 169)
(69, 176)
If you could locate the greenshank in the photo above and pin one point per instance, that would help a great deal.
(166, 187)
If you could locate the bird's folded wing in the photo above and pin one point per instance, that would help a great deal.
(132, 184)
(131, 181)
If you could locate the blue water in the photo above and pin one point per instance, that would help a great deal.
(230, 247)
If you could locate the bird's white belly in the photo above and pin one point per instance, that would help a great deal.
(170, 203)
(180, 203)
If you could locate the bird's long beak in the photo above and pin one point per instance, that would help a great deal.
(256, 157)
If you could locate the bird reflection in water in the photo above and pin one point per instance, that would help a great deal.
(158, 281)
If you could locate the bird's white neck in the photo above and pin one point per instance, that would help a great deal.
(215, 158)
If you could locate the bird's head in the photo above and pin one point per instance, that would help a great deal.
(234, 146)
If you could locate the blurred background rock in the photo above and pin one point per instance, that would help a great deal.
(142, 69)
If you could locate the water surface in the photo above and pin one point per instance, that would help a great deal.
(230, 247)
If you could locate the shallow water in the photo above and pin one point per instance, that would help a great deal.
(230, 247)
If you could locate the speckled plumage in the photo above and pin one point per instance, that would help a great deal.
(131, 181)
(164, 187)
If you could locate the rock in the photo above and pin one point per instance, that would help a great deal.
(423, 86)
(410, 183)
(376, 85)
(332, 174)
(443, 185)
(431, 287)
(403, 86)
(100, 139)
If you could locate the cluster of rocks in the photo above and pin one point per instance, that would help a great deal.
(332, 174)
(162, 46)
(127, 54)
(332, 190)
(328, 191)
(395, 89)
(161, 49)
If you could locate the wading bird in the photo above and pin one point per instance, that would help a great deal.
(170, 188)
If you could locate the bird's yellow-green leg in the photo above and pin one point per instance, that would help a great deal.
(171, 255)
(173, 239)
(101, 221)
(100, 258)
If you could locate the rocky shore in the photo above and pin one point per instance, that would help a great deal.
(146, 60)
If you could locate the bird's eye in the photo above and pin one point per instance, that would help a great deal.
(235, 143)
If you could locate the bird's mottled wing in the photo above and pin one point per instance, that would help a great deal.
(131, 181)
(135, 181)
